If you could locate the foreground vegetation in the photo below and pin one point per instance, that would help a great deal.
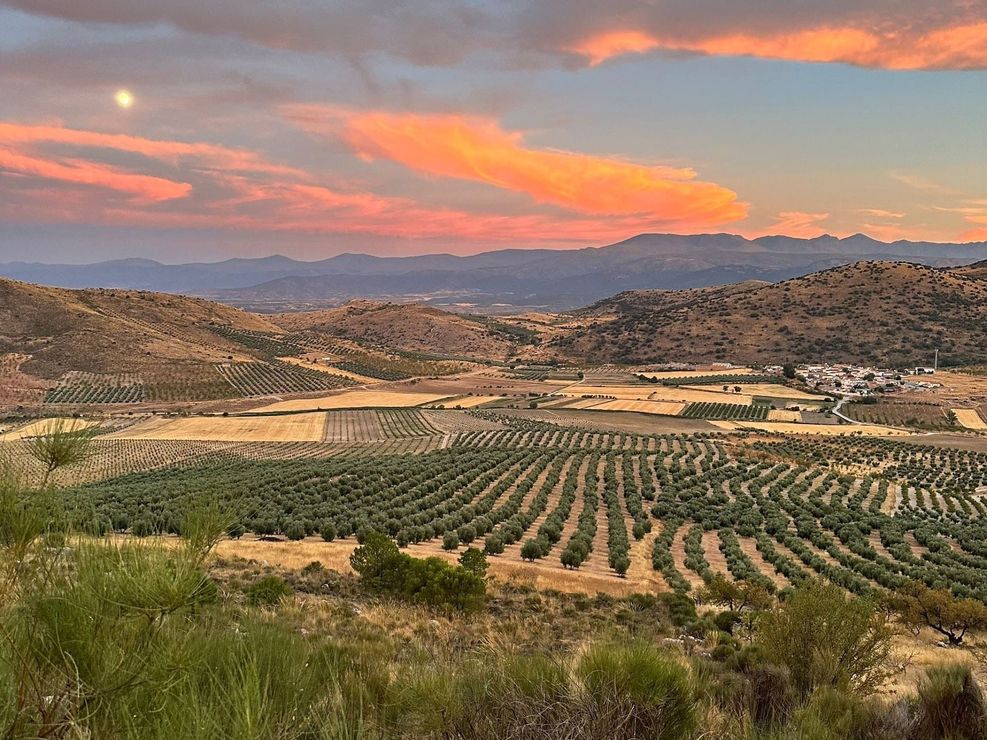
(108, 637)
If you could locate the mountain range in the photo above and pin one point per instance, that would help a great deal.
(498, 281)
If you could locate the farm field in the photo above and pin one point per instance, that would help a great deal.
(673, 374)
(896, 413)
(42, 426)
(668, 408)
(353, 399)
(771, 390)
(867, 430)
(329, 370)
(598, 511)
(290, 428)
(468, 402)
(649, 392)
(970, 419)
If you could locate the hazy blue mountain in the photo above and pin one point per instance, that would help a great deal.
(552, 279)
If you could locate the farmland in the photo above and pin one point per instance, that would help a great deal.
(661, 509)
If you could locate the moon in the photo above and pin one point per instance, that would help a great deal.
(124, 98)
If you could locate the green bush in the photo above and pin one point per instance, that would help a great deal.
(950, 704)
(648, 690)
(432, 581)
(268, 591)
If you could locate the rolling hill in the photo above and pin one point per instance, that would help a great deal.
(887, 313)
(408, 327)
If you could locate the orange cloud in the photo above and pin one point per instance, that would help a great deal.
(477, 149)
(962, 46)
(797, 223)
(240, 190)
(598, 48)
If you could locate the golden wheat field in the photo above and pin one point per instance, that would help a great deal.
(354, 400)
(42, 426)
(970, 419)
(782, 415)
(291, 428)
(665, 408)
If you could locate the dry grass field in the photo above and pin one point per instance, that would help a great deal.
(541, 575)
(42, 426)
(782, 415)
(290, 428)
(774, 390)
(865, 430)
(970, 418)
(666, 408)
(353, 400)
(656, 393)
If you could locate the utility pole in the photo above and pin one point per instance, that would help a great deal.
(935, 364)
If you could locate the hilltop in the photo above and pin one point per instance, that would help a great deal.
(887, 313)
(408, 327)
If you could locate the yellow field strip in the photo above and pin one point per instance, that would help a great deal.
(290, 428)
(970, 419)
(361, 379)
(657, 393)
(354, 400)
(41, 426)
(780, 415)
(665, 408)
(771, 390)
(866, 430)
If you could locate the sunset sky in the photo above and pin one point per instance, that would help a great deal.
(203, 129)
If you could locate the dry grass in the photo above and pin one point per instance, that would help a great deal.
(665, 408)
(866, 430)
(545, 574)
(775, 390)
(970, 419)
(354, 400)
(656, 393)
(781, 415)
(292, 428)
(43, 426)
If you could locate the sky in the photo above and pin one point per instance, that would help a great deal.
(204, 129)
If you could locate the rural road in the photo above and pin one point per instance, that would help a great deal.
(836, 411)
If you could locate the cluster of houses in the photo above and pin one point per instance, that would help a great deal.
(853, 380)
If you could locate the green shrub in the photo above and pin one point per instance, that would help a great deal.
(645, 691)
(827, 638)
(950, 704)
(268, 591)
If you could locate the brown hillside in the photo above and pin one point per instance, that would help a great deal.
(977, 271)
(888, 313)
(406, 326)
(112, 331)
(108, 338)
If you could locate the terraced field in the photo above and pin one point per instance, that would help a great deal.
(663, 511)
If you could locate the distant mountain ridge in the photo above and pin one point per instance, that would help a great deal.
(509, 278)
